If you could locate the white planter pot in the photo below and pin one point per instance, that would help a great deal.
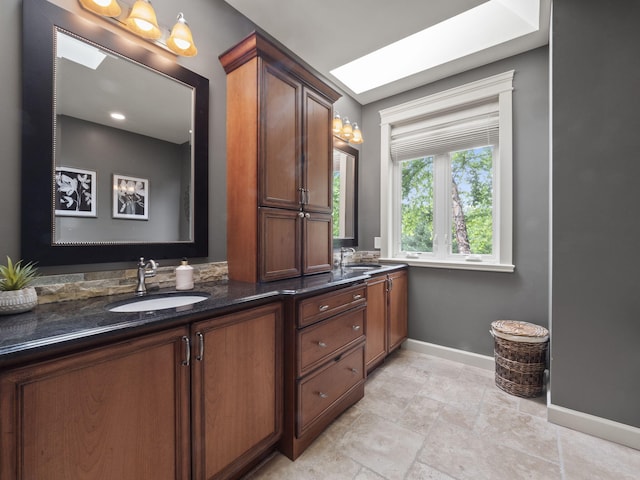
(17, 301)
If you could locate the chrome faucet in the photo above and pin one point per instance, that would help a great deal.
(143, 273)
(343, 251)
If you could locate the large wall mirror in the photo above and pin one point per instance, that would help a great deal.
(98, 187)
(345, 194)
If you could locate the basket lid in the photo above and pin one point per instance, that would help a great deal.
(517, 331)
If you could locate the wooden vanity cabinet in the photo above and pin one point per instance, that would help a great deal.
(236, 391)
(120, 411)
(386, 315)
(324, 363)
(279, 164)
(194, 402)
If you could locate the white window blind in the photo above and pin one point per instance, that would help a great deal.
(462, 129)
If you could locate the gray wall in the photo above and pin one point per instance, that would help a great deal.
(595, 365)
(216, 27)
(455, 307)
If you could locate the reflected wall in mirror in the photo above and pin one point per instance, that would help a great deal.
(75, 75)
(345, 194)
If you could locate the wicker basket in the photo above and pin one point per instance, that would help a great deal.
(521, 356)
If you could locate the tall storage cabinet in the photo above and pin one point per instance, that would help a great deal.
(279, 152)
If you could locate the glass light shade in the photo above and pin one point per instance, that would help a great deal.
(181, 41)
(347, 129)
(107, 8)
(357, 135)
(142, 20)
(337, 124)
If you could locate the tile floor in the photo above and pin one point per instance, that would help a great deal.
(424, 417)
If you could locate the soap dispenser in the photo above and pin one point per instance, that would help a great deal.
(184, 276)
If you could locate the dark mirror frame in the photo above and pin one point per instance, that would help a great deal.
(340, 144)
(37, 243)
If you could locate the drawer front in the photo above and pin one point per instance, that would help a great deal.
(320, 390)
(324, 340)
(314, 309)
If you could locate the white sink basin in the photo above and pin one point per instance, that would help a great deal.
(148, 304)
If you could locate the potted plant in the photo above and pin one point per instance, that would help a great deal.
(16, 293)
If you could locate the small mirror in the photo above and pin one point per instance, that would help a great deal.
(345, 194)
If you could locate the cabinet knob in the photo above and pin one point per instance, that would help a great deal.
(356, 327)
(301, 214)
(357, 296)
(324, 308)
(321, 344)
(307, 215)
(322, 395)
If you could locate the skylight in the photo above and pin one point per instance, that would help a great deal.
(78, 51)
(482, 27)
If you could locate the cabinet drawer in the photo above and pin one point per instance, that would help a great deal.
(320, 342)
(320, 390)
(316, 308)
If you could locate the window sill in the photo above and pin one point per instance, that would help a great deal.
(478, 266)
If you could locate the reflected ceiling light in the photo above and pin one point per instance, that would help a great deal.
(142, 20)
(117, 116)
(347, 131)
(108, 8)
(181, 41)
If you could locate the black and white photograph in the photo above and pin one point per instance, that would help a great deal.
(130, 197)
(75, 192)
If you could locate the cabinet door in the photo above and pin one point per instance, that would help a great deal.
(120, 411)
(317, 243)
(280, 244)
(398, 328)
(280, 170)
(376, 326)
(237, 381)
(318, 153)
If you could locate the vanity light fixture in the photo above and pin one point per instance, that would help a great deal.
(347, 131)
(139, 17)
(108, 8)
(142, 20)
(181, 41)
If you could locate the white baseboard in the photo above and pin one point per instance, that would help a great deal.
(468, 358)
(596, 426)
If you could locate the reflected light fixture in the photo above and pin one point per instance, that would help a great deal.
(142, 20)
(181, 41)
(347, 131)
(108, 8)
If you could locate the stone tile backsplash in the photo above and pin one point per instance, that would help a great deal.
(80, 286)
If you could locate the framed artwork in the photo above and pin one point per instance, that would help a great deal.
(75, 192)
(130, 197)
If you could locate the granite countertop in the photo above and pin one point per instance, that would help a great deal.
(58, 327)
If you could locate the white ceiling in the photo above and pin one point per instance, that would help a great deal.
(329, 33)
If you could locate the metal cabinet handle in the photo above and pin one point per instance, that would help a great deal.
(301, 190)
(306, 195)
(356, 327)
(321, 344)
(324, 308)
(357, 296)
(200, 355)
(301, 214)
(187, 341)
(354, 370)
(307, 215)
(322, 395)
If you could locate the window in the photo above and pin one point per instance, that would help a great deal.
(446, 178)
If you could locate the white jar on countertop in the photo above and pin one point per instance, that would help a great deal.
(184, 276)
